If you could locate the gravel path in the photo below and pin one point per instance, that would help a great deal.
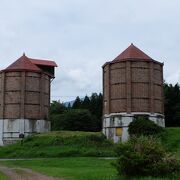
(23, 174)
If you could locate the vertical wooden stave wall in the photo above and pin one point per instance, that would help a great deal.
(21, 95)
(139, 87)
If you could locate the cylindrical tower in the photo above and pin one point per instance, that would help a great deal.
(25, 98)
(132, 86)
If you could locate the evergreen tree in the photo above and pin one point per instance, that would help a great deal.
(172, 104)
(69, 105)
(94, 103)
(57, 108)
(86, 103)
(100, 105)
(74, 120)
(84, 114)
(77, 103)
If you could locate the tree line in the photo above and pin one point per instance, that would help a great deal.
(86, 114)
(172, 105)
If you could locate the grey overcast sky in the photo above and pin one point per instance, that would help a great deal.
(81, 35)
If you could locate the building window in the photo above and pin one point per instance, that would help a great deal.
(112, 122)
(120, 123)
(141, 116)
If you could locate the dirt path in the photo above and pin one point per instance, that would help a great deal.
(23, 174)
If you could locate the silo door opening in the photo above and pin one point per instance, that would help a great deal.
(119, 131)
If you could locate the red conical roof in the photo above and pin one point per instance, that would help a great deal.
(43, 62)
(23, 63)
(132, 52)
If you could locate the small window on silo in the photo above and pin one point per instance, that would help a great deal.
(119, 131)
(141, 116)
(120, 123)
(112, 122)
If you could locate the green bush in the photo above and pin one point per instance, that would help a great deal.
(145, 156)
(74, 120)
(144, 126)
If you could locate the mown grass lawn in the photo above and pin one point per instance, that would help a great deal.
(3, 176)
(75, 168)
(64, 150)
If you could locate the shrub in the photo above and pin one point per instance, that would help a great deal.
(144, 126)
(145, 156)
(74, 120)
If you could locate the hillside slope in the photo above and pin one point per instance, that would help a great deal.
(171, 140)
(76, 143)
(60, 144)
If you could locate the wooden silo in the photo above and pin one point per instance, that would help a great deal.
(25, 98)
(132, 86)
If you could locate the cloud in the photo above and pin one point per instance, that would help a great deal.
(81, 35)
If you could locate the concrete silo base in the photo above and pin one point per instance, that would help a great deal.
(11, 128)
(115, 125)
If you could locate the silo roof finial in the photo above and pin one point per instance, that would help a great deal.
(24, 54)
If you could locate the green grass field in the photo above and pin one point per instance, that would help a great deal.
(171, 141)
(67, 143)
(64, 143)
(3, 177)
(75, 168)
(60, 144)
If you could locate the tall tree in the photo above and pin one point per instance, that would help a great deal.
(77, 103)
(57, 108)
(85, 115)
(100, 105)
(86, 103)
(69, 105)
(172, 104)
(94, 103)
